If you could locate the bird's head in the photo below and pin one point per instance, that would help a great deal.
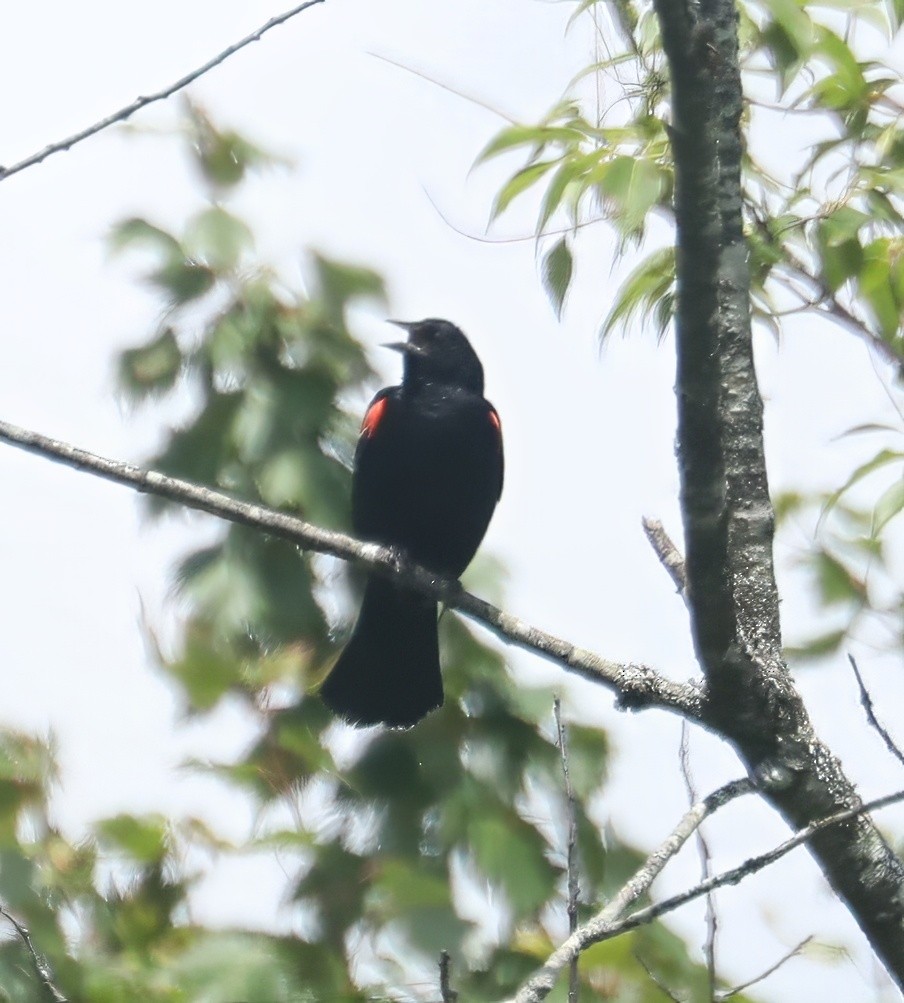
(438, 352)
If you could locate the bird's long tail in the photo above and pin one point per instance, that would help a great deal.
(389, 671)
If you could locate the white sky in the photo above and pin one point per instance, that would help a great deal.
(589, 434)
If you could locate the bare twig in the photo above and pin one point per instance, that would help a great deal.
(470, 98)
(141, 102)
(42, 969)
(636, 686)
(539, 985)
(667, 552)
(657, 981)
(712, 919)
(737, 990)
(606, 924)
(867, 702)
(449, 995)
(571, 862)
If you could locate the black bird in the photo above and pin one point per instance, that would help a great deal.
(428, 473)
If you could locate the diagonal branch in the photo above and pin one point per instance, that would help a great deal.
(867, 701)
(771, 970)
(162, 95)
(39, 963)
(539, 985)
(609, 923)
(635, 686)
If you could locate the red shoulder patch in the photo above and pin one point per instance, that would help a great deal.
(373, 417)
(495, 420)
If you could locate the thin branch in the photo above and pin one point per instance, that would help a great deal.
(737, 990)
(449, 995)
(571, 854)
(141, 102)
(479, 102)
(657, 981)
(669, 555)
(606, 924)
(712, 919)
(867, 702)
(539, 985)
(636, 686)
(481, 238)
(42, 969)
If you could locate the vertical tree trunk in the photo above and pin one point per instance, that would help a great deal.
(728, 516)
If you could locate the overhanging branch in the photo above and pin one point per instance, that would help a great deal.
(636, 686)
(142, 102)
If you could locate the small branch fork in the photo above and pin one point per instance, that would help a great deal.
(610, 921)
(141, 102)
(636, 686)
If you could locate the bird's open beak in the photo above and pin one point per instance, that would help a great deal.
(406, 347)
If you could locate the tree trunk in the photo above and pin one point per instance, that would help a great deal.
(727, 512)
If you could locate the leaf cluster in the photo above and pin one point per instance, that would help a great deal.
(824, 235)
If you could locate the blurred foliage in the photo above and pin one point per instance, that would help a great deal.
(394, 845)
(853, 561)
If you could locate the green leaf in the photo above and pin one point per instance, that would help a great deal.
(649, 284)
(588, 755)
(817, 647)
(786, 504)
(846, 88)
(634, 185)
(183, 280)
(567, 176)
(890, 503)
(836, 582)
(205, 672)
(139, 231)
(536, 136)
(557, 272)
(152, 368)
(837, 236)
(143, 838)
(511, 853)
(223, 156)
(402, 885)
(217, 238)
(880, 460)
(521, 181)
(339, 284)
(876, 284)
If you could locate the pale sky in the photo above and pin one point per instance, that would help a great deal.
(589, 433)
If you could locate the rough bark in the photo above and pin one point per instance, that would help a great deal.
(728, 517)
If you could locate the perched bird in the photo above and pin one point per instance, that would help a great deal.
(428, 473)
